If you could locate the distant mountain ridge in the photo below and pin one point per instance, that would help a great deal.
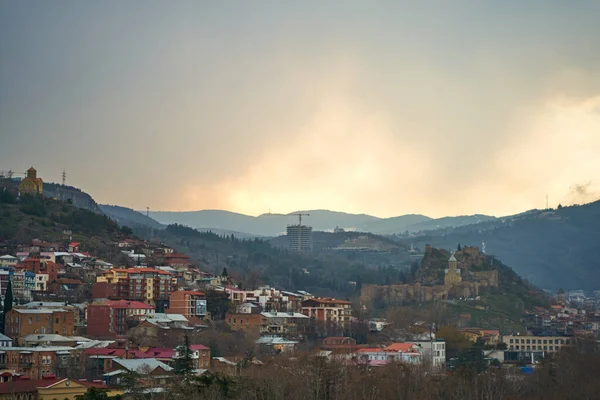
(320, 220)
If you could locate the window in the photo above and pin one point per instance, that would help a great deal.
(30, 320)
(551, 348)
(57, 320)
(528, 341)
(545, 342)
(511, 340)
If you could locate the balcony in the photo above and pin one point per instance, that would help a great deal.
(25, 364)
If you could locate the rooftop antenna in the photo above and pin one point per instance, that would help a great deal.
(147, 211)
(64, 177)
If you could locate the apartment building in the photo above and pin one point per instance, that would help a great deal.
(20, 322)
(37, 362)
(328, 310)
(148, 285)
(539, 343)
(108, 319)
(189, 303)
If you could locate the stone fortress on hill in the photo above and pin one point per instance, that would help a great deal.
(441, 276)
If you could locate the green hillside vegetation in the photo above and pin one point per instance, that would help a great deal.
(256, 261)
(37, 217)
(504, 306)
(550, 248)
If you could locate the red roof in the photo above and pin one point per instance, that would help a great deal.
(124, 304)
(104, 351)
(400, 347)
(198, 347)
(175, 255)
(154, 353)
(370, 350)
(27, 385)
(74, 244)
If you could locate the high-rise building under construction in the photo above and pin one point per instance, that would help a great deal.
(300, 237)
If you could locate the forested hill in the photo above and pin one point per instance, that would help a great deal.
(38, 217)
(551, 248)
(256, 261)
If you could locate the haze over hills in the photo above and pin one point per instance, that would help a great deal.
(320, 220)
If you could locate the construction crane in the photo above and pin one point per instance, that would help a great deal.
(300, 217)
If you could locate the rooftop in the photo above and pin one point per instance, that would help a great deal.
(37, 311)
(284, 315)
(141, 364)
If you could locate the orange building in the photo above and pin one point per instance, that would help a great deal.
(252, 323)
(328, 310)
(188, 303)
(20, 322)
(38, 266)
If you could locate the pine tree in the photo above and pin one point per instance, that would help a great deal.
(8, 298)
(184, 364)
(8, 303)
(225, 274)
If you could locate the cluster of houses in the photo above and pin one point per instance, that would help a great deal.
(114, 320)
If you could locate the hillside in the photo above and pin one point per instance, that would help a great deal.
(75, 196)
(51, 220)
(129, 217)
(551, 248)
(488, 291)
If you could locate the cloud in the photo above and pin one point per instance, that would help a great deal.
(378, 108)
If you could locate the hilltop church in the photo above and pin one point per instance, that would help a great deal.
(31, 184)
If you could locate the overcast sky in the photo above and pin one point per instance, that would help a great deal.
(387, 108)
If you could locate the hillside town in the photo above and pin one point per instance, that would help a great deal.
(72, 319)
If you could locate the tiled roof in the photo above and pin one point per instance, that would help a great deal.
(370, 350)
(198, 347)
(27, 385)
(124, 304)
(400, 347)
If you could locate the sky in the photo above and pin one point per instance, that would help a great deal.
(379, 107)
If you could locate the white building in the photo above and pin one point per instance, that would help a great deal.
(434, 350)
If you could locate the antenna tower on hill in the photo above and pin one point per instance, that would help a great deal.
(64, 177)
